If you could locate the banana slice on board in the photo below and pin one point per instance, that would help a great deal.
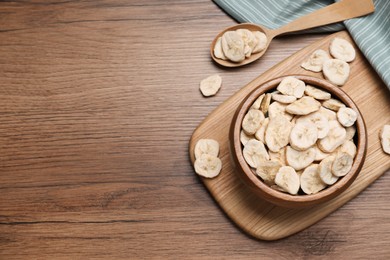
(325, 170)
(210, 85)
(384, 135)
(292, 87)
(336, 71)
(336, 137)
(233, 46)
(208, 166)
(218, 52)
(342, 164)
(319, 120)
(342, 50)
(252, 121)
(311, 182)
(300, 159)
(346, 116)
(267, 171)
(303, 106)
(288, 179)
(255, 153)
(317, 93)
(277, 133)
(261, 42)
(315, 61)
(303, 135)
(206, 146)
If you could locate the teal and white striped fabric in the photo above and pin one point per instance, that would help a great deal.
(371, 33)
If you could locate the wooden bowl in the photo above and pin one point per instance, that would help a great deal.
(254, 183)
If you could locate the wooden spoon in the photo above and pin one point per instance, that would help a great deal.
(333, 13)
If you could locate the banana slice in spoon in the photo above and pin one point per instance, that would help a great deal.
(233, 46)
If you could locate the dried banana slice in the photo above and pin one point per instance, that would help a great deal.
(255, 153)
(317, 93)
(335, 137)
(276, 187)
(348, 147)
(288, 180)
(265, 103)
(346, 116)
(210, 85)
(320, 155)
(218, 50)
(206, 146)
(319, 120)
(350, 132)
(244, 138)
(257, 103)
(315, 61)
(336, 71)
(384, 135)
(303, 106)
(333, 104)
(208, 166)
(303, 135)
(277, 133)
(325, 170)
(311, 182)
(277, 108)
(267, 171)
(285, 99)
(342, 164)
(233, 46)
(300, 159)
(279, 156)
(260, 133)
(249, 39)
(342, 50)
(294, 120)
(292, 87)
(327, 113)
(261, 42)
(252, 121)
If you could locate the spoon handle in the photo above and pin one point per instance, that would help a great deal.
(333, 13)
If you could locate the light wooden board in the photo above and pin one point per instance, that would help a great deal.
(260, 218)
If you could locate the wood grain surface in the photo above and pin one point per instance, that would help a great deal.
(98, 102)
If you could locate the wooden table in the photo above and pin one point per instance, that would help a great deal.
(98, 102)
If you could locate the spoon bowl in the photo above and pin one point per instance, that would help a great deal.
(251, 27)
(333, 13)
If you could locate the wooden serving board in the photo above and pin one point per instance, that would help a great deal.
(260, 218)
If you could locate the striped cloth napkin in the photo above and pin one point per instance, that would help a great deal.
(371, 33)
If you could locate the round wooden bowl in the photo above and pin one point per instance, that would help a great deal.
(253, 182)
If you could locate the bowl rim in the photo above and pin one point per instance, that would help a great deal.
(285, 199)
